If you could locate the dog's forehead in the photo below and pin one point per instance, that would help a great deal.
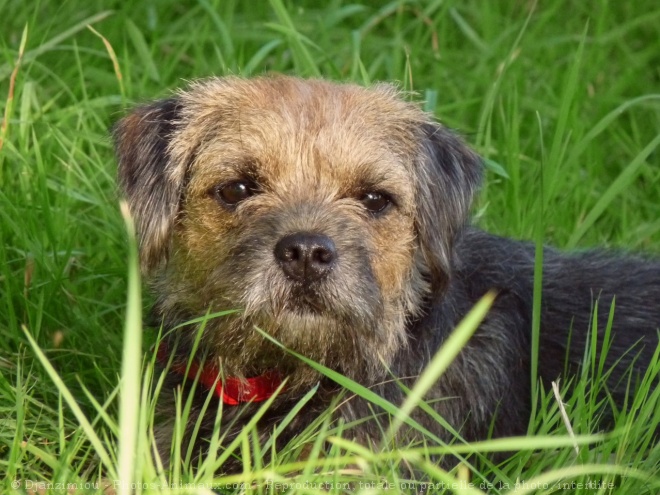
(302, 130)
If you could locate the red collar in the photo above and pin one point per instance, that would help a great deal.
(233, 391)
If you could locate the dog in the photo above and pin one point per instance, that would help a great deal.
(334, 218)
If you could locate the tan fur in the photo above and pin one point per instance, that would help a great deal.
(314, 148)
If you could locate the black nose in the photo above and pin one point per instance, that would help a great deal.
(306, 257)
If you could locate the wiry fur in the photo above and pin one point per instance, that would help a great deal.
(402, 279)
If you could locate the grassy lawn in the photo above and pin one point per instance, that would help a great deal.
(562, 98)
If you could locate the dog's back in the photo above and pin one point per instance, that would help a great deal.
(579, 290)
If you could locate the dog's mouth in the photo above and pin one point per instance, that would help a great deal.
(307, 307)
(304, 303)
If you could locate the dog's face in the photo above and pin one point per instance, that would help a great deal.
(324, 212)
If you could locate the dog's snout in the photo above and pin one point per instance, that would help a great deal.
(306, 257)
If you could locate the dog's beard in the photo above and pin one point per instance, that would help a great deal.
(343, 323)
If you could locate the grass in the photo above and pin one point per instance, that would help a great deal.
(561, 97)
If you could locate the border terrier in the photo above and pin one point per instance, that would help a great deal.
(333, 217)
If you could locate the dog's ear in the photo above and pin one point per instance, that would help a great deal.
(448, 174)
(151, 182)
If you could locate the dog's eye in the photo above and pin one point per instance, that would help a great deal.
(375, 202)
(233, 193)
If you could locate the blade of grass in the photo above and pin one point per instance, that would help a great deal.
(538, 281)
(131, 367)
(93, 438)
(19, 401)
(604, 123)
(9, 102)
(441, 361)
(30, 55)
(622, 182)
(143, 51)
(305, 62)
(561, 135)
(113, 58)
(356, 388)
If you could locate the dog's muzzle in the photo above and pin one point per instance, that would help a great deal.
(306, 257)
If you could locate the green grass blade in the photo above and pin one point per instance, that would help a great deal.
(30, 55)
(131, 369)
(441, 361)
(84, 423)
(622, 182)
(143, 51)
